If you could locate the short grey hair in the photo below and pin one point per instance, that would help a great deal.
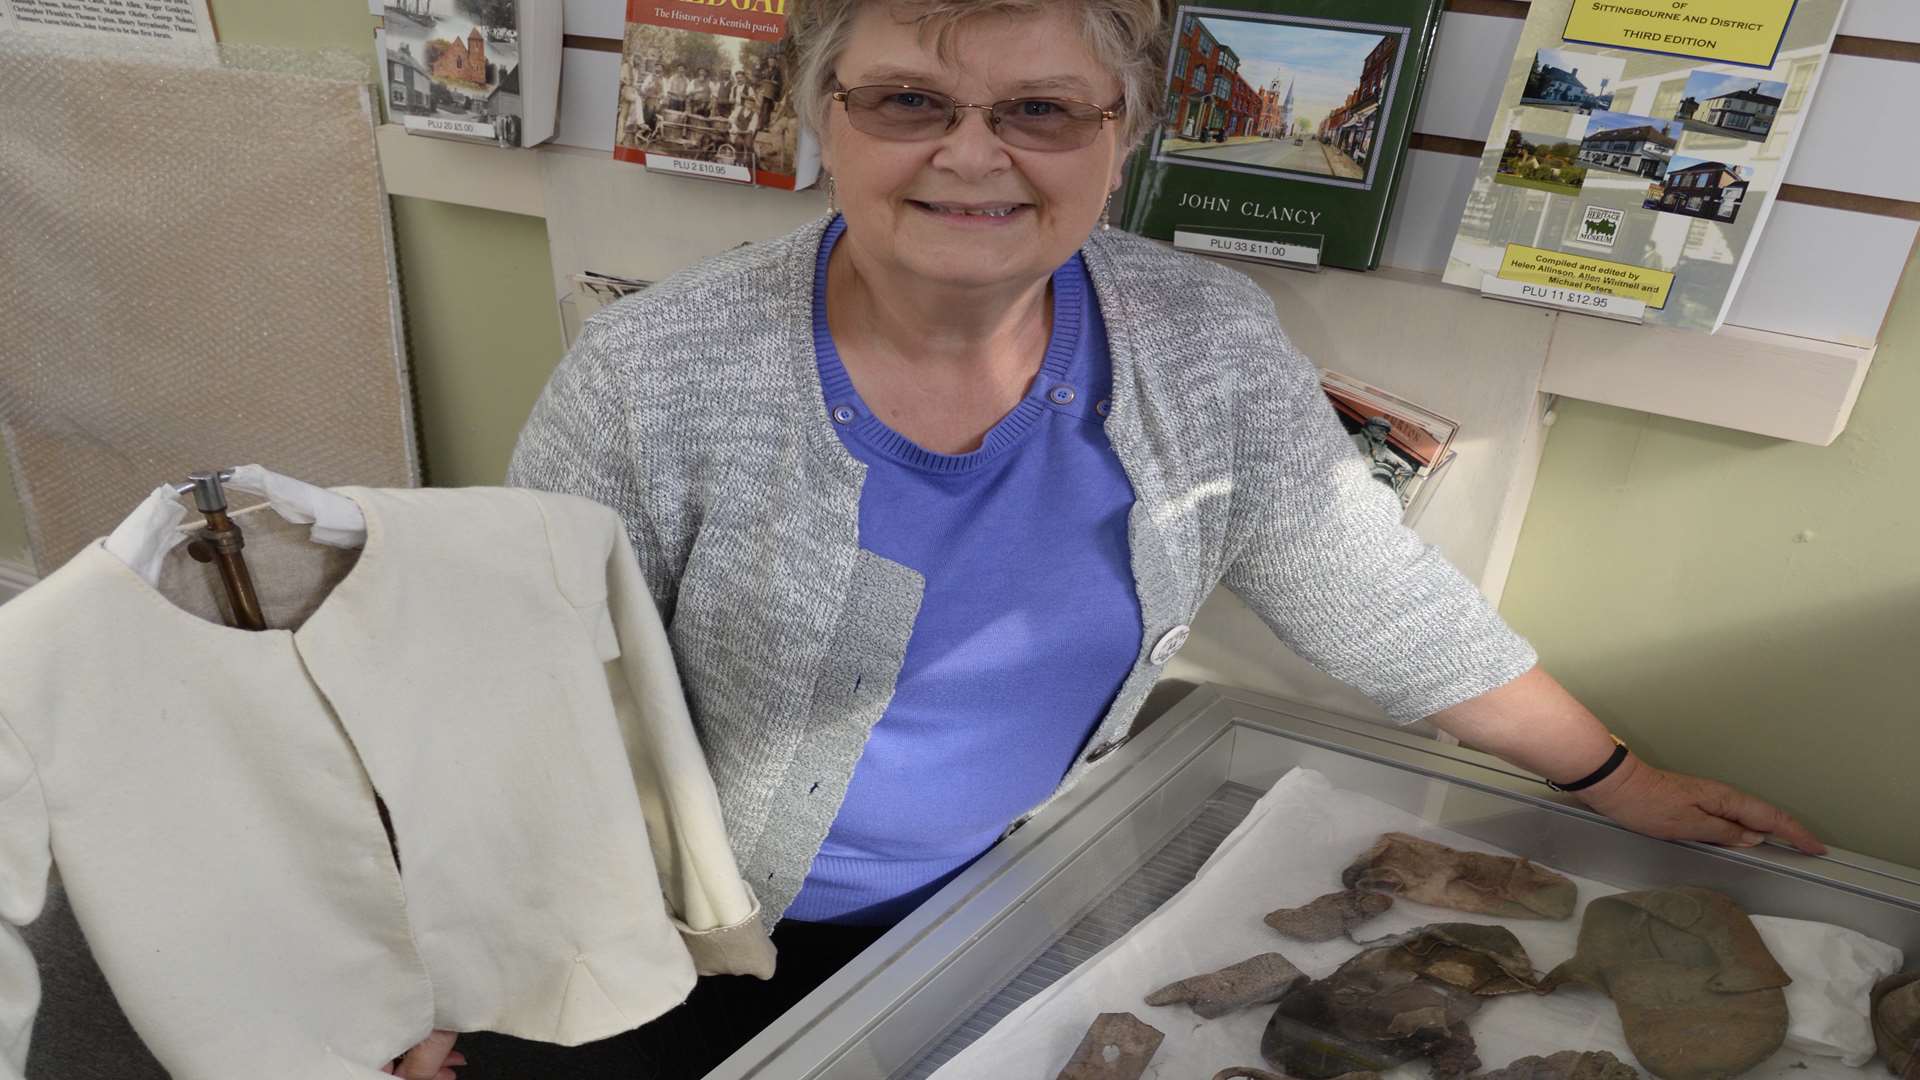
(1129, 37)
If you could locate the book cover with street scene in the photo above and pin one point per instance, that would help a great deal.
(1637, 150)
(479, 70)
(704, 93)
(1285, 129)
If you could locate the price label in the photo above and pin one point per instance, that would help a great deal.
(706, 170)
(1562, 299)
(1290, 253)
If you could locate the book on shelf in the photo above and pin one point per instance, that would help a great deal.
(704, 93)
(1407, 447)
(1638, 149)
(475, 70)
(1286, 128)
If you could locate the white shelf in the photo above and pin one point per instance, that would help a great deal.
(1751, 380)
(469, 174)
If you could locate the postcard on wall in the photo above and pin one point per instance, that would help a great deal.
(474, 70)
(1637, 150)
(704, 93)
(1286, 128)
(1405, 445)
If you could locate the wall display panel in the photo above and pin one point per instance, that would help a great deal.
(1825, 274)
(1421, 232)
(1810, 281)
(589, 92)
(1897, 20)
(1854, 139)
(596, 18)
(1461, 95)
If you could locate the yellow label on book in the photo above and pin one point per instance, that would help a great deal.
(1730, 31)
(1543, 267)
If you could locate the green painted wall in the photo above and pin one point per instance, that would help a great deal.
(482, 331)
(13, 523)
(1745, 608)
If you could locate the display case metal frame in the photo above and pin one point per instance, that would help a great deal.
(879, 1014)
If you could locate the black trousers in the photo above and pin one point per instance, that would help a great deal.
(722, 1014)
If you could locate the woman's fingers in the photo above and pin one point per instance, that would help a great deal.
(1675, 806)
(428, 1060)
(1760, 816)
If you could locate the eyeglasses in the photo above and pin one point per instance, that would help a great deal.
(910, 114)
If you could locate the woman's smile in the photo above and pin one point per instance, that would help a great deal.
(965, 215)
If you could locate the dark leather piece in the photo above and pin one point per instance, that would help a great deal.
(1403, 998)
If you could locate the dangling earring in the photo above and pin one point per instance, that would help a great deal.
(1105, 212)
(833, 197)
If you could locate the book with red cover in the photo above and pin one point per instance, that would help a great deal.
(704, 92)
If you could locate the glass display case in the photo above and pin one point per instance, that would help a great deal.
(1100, 860)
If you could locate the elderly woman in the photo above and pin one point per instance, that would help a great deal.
(929, 490)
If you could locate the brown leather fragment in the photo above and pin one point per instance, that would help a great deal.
(1896, 1023)
(1250, 1073)
(1431, 873)
(1258, 980)
(1117, 1047)
(1327, 917)
(1566, 1065)
(1697, 991)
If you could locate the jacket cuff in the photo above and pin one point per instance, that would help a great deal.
(741, 948)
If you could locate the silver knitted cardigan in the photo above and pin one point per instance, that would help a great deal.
(694, 409)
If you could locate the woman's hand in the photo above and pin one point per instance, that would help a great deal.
(1675, 806)
(1534, 723)
(433, 1059)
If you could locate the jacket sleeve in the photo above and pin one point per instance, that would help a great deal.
(1320, 554)
(579, 441)
(26, 858)
(717, 914)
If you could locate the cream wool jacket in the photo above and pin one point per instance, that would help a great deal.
(491, 663)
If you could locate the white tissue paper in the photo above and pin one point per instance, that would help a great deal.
(1833, 972)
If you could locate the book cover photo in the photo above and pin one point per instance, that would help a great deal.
(1637, 151)
(1286, 128)
(477, 70)
(1406, 446)
(704, 93)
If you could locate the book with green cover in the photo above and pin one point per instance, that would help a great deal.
(1286, 128)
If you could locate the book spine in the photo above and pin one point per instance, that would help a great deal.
(1424, 41)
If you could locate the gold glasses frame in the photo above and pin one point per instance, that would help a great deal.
(994, 120)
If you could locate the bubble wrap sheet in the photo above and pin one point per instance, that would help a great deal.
(196, 270)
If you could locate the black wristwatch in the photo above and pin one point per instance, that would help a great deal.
(1605, 770)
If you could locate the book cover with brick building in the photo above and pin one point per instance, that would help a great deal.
(485, 70)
